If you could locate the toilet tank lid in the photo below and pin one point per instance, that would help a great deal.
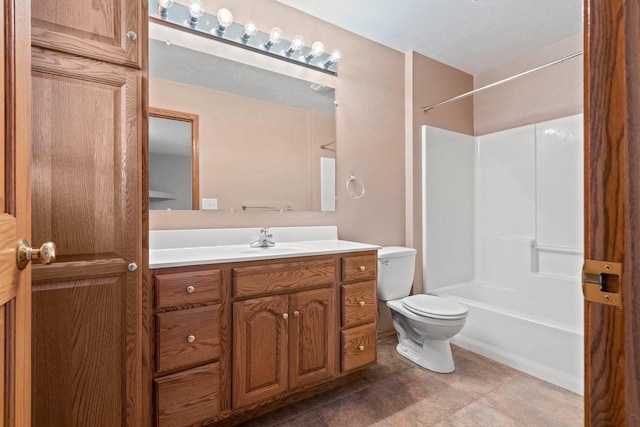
(395, 252)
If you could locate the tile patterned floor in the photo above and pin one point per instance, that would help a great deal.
(397, 392)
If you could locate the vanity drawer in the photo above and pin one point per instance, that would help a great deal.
(174, 289)
(359, 303)
(274, 278)
(189, 397)
(187, 337)
(358, 347)
(355, 268)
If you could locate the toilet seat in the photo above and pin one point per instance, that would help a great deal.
(435, 307)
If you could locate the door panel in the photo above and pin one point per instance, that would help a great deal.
(15, 215)
(612, 208)
(87, 308)
(92, 28)
(311, 336)
(260, 349)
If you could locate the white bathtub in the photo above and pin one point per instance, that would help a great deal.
(502, 326)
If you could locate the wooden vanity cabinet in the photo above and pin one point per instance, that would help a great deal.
(266, 332)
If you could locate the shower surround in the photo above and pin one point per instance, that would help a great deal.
(503, 234)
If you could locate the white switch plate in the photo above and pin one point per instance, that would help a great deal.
(209, 204)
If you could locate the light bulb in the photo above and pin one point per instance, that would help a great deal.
(225, 18)
(296, 44)
(163, 5)
(336, 56)
(275, 36)
(250, 30)
(196, 10)
(317, 49)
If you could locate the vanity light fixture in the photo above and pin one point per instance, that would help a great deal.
(296, 44)
(225, 18)
(196, 10)
(163, 8)
(250, 30)
(191, 14)
(335, 57)
(317, 49)
(275, 37)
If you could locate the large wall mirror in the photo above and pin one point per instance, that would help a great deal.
(266, 140)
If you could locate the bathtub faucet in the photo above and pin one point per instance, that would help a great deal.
(264, 241)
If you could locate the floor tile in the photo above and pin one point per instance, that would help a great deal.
(534, 402)
(478, 414)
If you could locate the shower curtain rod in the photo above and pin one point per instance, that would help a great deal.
(499, 82)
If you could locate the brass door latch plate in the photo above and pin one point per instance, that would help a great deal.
(602, 282)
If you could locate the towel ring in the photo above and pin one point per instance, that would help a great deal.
(352, 179)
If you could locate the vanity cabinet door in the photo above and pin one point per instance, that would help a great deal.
(108, 30)
(311, 336)
(260, 343)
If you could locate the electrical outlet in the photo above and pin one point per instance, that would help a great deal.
(209, 204)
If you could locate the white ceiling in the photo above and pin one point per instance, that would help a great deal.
(471, 35)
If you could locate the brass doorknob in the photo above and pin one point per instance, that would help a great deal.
(25, 253)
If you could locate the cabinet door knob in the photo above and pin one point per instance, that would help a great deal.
(363, 268)
(132, 267)
(191, 338)
(361, 347)
(285, 316)
(190, 289)
(296, 313)
(132, 35)
(361, 303)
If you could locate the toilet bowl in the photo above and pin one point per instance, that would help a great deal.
(424, 323)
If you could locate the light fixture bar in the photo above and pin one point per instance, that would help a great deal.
(219, 25)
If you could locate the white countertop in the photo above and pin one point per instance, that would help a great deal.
(179, 257)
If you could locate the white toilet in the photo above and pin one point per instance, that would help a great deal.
(424, 323)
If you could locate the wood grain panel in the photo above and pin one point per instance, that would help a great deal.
(174, 351)
(359, 304)
(3, 363)
(274, 278)
(92, 28)
(260, 345)
(612, 189)
(86, 197)
(188, 398)
(356, 268)
(80, 351)
(312, 336)
(353, 355)
(171, 288)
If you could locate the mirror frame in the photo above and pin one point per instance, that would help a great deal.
(194, 119)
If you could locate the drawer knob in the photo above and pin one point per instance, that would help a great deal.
(362, 268)
(361, 303)
(132, 35)
(285, 316)
(191, 338)
(361, 347)
(190, 289)
(296, 313)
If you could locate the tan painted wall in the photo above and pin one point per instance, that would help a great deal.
(427, 82)
(272, 161)
(543, 95)
(369, 133)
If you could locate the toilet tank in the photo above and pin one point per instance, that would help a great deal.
(396, 266)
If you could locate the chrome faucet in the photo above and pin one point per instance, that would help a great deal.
(264, 241)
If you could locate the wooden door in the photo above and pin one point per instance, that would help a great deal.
(612, 209)
(99, 29)
(260, 342)
(87, 308)
(15, 216)
(311, 336)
